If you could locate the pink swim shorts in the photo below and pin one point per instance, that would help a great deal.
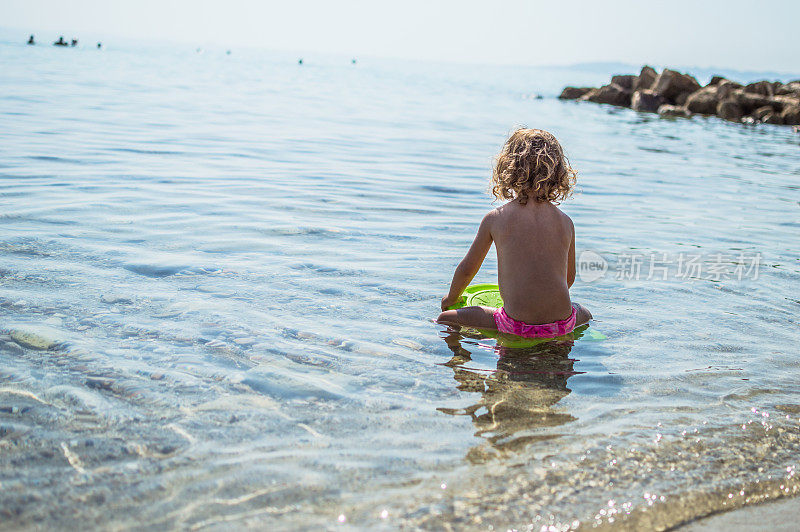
(507, 324)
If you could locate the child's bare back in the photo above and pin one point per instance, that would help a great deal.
(535, 244)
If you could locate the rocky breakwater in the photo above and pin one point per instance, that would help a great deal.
(673, 93)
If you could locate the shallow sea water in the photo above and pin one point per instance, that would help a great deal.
(218, 275)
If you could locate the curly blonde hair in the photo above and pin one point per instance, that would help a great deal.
(532, 164)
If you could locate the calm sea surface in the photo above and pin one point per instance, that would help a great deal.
(218, 275)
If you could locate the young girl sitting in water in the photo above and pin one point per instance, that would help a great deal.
(535, 244)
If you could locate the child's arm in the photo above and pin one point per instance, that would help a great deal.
(571, 261)
(471, 263)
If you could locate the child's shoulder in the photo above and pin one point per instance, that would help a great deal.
(566, 220)
(561, 213)
(554, 208)
(513, 210)
(495, 214)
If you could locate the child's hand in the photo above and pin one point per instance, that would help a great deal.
(448, 301)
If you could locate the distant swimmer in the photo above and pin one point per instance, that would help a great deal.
(31, 41)
(60, 42)
(74, 42)
(228, 52)
(353, 61)
(300, 61)
(99, 45)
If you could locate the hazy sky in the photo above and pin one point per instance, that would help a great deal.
(739, 34)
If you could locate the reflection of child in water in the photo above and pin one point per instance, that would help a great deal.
(518, 396)
(535, 244)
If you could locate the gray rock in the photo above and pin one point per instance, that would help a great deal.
(645, 79)
(610, 94)
(111, 299)
(680, 100)
(11, 347)
(791, 115)
(761, 112)
(245, 341)
(703, 101)
(573, 93)
(725, 88)
(670, 84)
(39, 338)
(789, 89)
(773, 118)
(730, 110)
(99, 383)
(716, 80)
(646, 100)
(764, 88)
(673, 111)
(625, 81)
(749, 101)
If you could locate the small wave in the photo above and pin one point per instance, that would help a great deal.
(312, 231)
(154, 270)
(147, 152)
(56, 159)
(445, 190)
(654, 150)
(326, 269)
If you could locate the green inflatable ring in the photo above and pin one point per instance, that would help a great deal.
(488, 295)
